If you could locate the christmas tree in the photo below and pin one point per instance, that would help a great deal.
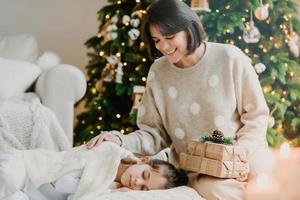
(118, 62)
(267, 31)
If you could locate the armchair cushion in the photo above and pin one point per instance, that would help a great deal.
(16, 76)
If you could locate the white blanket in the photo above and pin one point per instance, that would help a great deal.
(26, 124)
(100, 167)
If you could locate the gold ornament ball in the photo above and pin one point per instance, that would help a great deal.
(262, 13)
(294, 49)
(271, 122)
(99, 86)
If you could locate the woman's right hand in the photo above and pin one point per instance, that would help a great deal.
(103, 137)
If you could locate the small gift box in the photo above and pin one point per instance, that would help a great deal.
(217, 168)
(214, 150)
(215, 156)
(190, 162)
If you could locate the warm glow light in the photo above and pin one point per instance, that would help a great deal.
(273, 92)
(285, 150)
(101, 53)
(262, 180)
(118, 115)
(93, 90)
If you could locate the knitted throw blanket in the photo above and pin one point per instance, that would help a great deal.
(26, 124)
(99, 164)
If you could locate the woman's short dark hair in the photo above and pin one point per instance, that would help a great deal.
(176, 177)
(172, 16)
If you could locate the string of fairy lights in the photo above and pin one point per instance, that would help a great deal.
(116, 63)
(290, 39)
(107, 34)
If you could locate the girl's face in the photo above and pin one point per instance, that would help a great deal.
(173, 47)
(143, 177)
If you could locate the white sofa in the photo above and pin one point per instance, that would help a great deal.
(59, 87)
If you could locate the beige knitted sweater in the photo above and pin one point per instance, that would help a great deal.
(221, 91)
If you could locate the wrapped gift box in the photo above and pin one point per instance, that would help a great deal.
(215, 151)
(214, 159)
(217, 168)
(190, 162)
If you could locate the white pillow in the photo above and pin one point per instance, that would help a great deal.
(19, 47)
(178, 193)
(16, 76)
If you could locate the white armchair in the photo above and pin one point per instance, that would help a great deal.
(59, 87)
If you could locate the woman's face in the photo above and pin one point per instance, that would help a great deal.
(143, 177)
(173, 47)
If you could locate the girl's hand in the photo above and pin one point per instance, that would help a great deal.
(122, 189)
(103, 137)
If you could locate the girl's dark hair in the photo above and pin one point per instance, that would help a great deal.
(176, 177)
(172, 16)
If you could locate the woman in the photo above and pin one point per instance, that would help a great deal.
(193, 88)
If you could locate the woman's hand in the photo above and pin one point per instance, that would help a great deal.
(103, 137)
(244, 175)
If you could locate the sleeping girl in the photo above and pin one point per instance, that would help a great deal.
(80, 173)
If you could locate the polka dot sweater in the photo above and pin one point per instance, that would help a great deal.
(221, 91)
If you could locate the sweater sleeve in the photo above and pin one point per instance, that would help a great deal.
(251, 103)
(151, 136)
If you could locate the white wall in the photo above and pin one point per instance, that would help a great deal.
(61, 26)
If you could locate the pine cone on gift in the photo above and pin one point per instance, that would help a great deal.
(217, 136)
